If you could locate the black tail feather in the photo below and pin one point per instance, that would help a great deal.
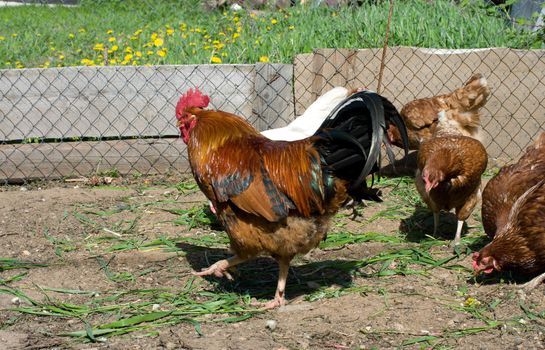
(350, 138)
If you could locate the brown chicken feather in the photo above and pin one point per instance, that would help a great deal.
(421, 115)
(449, 176)
(519, 245)
(509, 184)
(277, 197)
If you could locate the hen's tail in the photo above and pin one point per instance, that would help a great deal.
(350, 139)
(470, 97)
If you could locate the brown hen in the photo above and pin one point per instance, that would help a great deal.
(421, 115)
(449, 172)
(509, 184)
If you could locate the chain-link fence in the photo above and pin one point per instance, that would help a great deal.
(62, 122)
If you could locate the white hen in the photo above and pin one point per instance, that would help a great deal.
(306, 124)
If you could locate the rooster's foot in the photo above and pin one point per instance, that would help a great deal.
(273, 304)
(219, 269)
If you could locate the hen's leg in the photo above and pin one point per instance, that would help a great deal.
(220, 268)
(279, 297)
(458, 236)
(435, 222)
(534, 282)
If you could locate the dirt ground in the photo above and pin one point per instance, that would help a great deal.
(125, 249)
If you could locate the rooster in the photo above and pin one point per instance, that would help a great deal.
(420, 116)
(449, 172)
(509, 184)
(513, 215)
(277, 197)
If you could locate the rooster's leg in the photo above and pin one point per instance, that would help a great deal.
(220, 268)
(279, 297)
(534, 282)
(458, 236)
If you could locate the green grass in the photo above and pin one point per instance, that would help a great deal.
(138, 309)
(123, 307)
(181, 32)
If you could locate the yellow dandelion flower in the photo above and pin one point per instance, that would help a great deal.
(170, 31)
(153, 36)
(71, 36)
(224, 54)
(128, 49)
(149, 52)
(52, 48)
(274, 21)
(263, 59)
(236, 19)
(198, 30)
(111, 39)
(100, 56)
(46, 64)
(162, 52)
(239, 29)
(158, 42)
(61, 57)
(115, 48)
(127, 57)
(87, 62)
(14, 35)
(206, 47)
(138, 54)
(291, 27)
(134, 63)
(236, 35)
(113, 61)
(215, 59)
(471, 302)
(109, 31)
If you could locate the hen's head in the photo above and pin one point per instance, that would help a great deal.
(484, 263)
(432, 177)
(186, 120)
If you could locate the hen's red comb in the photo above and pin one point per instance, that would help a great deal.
(191, 99)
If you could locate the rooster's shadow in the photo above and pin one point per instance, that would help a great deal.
(258, 277)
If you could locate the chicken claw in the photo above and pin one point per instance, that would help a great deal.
(221, 268)
(276, 302)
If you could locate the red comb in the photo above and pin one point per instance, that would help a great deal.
(191, 99)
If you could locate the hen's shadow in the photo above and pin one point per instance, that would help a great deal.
(420, 224)
(405, 166)
(258, 277)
